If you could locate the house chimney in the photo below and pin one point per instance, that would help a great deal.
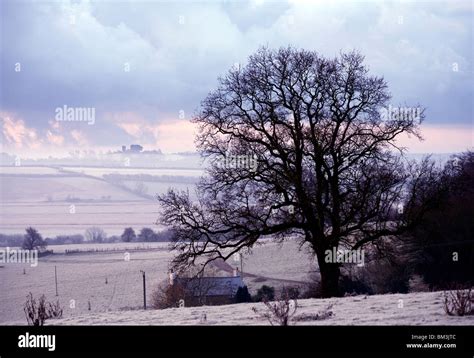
(172, 277)
(236, 272)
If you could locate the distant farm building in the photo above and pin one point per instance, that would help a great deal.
(208, 290)
(134, 148)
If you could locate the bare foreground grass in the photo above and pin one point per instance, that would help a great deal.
(418, 309)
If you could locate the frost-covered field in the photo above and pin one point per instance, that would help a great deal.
(153, 188)
(390, 309)
(55, 188)
(28, 170)
(116, 246)
(99, 172)
(81, 277)
(66, 204)
(52, 219)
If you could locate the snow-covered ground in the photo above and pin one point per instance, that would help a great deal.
(391, 309)
(109, 281)
(65, 202)
(113, 286)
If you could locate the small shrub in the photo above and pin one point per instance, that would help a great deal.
(54, 310)
(279, 312)
(37, 312)
(167, 296)
(459, 301)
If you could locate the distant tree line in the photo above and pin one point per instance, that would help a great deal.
(32, 239)
(145, 235)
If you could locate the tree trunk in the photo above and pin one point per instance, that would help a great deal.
(329, 277)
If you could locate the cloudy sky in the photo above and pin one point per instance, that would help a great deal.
(145, 66)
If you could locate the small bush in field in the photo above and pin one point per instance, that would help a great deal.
(54, 310)
(279, 312)
(459, 301)
(167, 296)
(37, 312)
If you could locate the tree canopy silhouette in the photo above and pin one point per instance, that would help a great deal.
(298, 145)
(33, 240)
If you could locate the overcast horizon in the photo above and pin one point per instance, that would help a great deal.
(144, 67)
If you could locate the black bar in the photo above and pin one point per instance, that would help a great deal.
(354, 339)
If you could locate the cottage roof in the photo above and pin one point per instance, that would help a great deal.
(211, 286)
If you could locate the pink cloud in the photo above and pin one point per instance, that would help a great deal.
(79, 137)
(169, 135)
(17, 133)
(54, 125)
(54, 139)
(133, 129)
(177, 135)
(133, 124)
(440, 139)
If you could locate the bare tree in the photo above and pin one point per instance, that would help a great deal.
(128, 235)
(95, 234)
(298, 145)
(33, 240)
